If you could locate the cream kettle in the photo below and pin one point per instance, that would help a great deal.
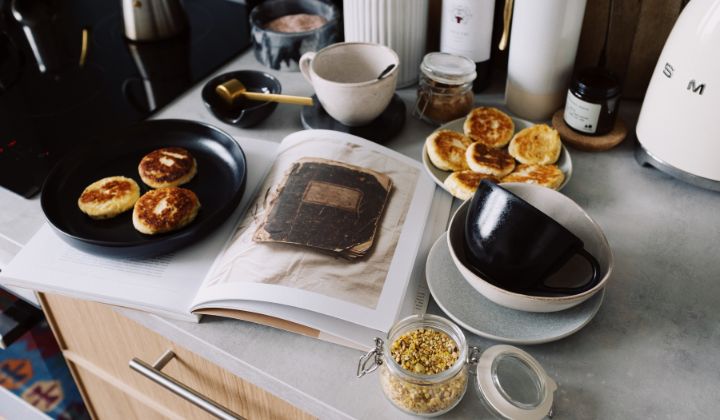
(678, 129)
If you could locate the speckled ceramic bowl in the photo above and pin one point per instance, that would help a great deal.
(282, 50)
(564, 211)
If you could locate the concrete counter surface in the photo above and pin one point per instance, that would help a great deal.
(650, 352)
(647, 354)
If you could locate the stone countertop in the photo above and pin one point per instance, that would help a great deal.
(651, 351)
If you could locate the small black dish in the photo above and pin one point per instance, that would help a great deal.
(242, 113)
(383, 128)
(219, 185)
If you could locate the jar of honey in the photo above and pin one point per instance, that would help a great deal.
(444, 88)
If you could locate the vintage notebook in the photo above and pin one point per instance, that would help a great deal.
(328, 205)
(330, 241)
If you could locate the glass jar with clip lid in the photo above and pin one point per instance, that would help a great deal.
(425, 363)
(445, 88)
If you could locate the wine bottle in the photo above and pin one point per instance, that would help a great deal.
(466, 29)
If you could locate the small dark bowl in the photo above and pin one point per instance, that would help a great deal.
(242, 113)
(282, 50)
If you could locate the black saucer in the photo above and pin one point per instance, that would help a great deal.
(380, 130)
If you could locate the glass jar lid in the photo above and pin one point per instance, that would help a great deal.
(447, 68)
(514, 384)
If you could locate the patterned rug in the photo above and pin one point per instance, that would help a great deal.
(34, 369)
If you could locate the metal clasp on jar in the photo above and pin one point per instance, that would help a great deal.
(473, 355)
(371, 360)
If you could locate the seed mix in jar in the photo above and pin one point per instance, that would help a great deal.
(422, 353)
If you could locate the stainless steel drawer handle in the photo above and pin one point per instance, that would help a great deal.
(155, 374)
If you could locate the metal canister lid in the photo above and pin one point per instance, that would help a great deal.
(447, 68)
(514, 385)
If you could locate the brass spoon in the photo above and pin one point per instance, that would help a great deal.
(233, 89)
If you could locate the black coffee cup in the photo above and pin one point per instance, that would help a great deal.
(515, 246)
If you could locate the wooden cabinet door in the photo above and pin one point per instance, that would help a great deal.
(102, 342)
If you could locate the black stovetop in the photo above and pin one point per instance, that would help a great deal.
(50, 102)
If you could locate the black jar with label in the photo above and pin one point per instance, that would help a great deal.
(592, 101)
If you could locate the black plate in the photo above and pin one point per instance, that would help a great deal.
(219, 185)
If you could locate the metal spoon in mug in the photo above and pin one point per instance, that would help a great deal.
(387, 70)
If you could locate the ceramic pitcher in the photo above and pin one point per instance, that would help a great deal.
(398, 24)
(543, 45)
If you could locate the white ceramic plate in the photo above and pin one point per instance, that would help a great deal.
(477, 314)
(438, 175)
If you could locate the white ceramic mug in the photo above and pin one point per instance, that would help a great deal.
(345, 79)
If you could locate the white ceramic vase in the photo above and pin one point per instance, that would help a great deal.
(543, 45)
(399, 24)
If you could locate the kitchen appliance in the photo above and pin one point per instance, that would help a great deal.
(151, 20)
(68, 73)
(677, 129)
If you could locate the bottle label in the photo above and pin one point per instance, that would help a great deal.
(466, 28)
(580, 115)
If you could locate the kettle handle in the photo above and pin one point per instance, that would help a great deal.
(507, 17)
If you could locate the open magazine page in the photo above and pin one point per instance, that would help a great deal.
(331, 329)
(165, 285)
(367, 291)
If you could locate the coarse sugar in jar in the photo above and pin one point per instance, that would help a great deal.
(445, 88)
(436, 387)
(425, 364)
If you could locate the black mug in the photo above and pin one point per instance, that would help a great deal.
(515, 246)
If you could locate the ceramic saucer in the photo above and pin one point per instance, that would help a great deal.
(471, 310)
(380, 130)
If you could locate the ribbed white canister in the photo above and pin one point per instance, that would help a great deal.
(399, 24)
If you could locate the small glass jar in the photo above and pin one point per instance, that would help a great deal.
(416, 394)
(510, 383)
(445, 88)
(592, 102)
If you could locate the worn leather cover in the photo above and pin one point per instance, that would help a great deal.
(328, 205)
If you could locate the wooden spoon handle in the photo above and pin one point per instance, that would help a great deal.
(283, 99)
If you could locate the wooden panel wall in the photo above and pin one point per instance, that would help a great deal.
(638, 30)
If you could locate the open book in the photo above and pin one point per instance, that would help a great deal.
(285, 285)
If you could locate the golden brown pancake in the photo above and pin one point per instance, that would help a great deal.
(167, 167)
(546, 175)
(164, 210)
(538, 144)
(486, 160)
(446, 149)
(462, 184)
(109, 197)
(489, 126)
